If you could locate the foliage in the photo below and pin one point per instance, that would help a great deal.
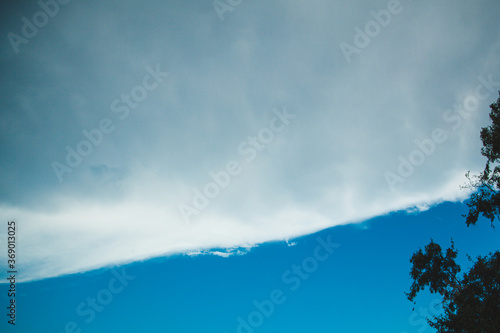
(475, 302)
(432, 268)
(486, 199)
(471, 302)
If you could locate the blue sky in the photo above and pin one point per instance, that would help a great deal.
(358, 288)
(194, 141)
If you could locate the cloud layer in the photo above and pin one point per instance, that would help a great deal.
(216, 113)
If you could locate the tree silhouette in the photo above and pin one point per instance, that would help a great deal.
(486, 199)
(471, 302)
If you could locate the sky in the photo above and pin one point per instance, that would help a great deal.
(206, 145)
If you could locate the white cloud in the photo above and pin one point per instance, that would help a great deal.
(81, 236)
(327, 168)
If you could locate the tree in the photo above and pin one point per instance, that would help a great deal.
(486, 199)
(475, 302)
(431, 268)
(471, 302)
